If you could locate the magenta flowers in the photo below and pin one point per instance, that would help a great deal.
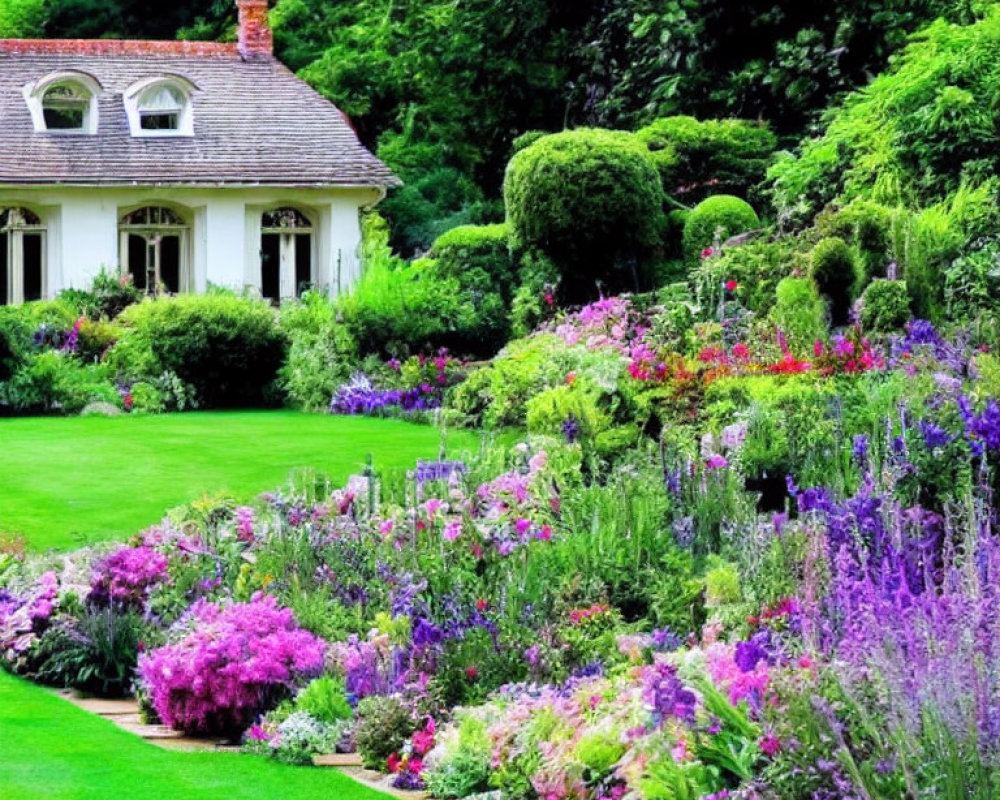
(233, 663)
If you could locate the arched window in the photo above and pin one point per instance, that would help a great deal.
(22, 256)
(160, 107)
(286, 253)
(64, 102)
(153, 250)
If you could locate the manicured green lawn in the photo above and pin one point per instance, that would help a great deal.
(68, 481)
(52, 750)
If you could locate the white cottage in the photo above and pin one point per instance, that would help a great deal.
(179, 163)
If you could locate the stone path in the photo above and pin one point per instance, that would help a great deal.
(125, 714)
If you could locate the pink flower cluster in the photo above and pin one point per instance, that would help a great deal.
(127, 575)
(23, 619)
(610, 323)
(232, 663)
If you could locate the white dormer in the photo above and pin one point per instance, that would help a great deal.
(160, 106)
(64, 103)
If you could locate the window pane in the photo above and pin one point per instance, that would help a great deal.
(3, 269)
(270, 266)
(159, 122)
(32, 266)
(303, 263)
(161, 98)
(170, 263)
(63, 118)
(137, 261)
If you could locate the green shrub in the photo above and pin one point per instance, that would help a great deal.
(15, 340)
(698, 158)
(54, 382)
(228, 348)
(538, 276)
(757, 267)
(799, 313)
(478, 258)
(577, 404)
(464, 767)
(146, 398)
(885, 305)
(96, 652)
(109, 295)
(722, 583)
(866, 226)
(911, 136)
(95, 338)
(325, 699)
(321, 352)
(832, 267)
(716, 219)
(400, 308)
(592, 201)
(384, 723)
(972, 283)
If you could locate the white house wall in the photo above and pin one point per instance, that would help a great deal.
(224, 244)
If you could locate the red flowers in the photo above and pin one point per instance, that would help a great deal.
(471, 673)
(731, 286)
(707, 252)
(482, 605)
(550, 300)
(579, 615)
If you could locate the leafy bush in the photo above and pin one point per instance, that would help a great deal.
(885, 305)
(109, 295)
(832, 267)
(321, 352)
(325, 699)
(230, 664)
(54, 381)
(912, 135)
(573, 411)
(227, 348)
(96, 652)
(384, 724)
(478, 258)
(295, 739)
(718, 217)
(15, 340)
(972, 282)
(757, 267)
(94, 339)
(591, 200)
(867, 227)
(799, 313)
(697, 158)
(462, 767)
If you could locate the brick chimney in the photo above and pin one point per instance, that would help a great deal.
(255, 41)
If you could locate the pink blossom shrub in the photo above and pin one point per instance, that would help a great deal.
(126, 576)
(233, 663)
(23, 618)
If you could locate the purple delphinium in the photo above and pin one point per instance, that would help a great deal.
(859, 450)
(571, 429)
(665, 695)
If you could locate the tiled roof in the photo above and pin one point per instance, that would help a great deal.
(254, 122)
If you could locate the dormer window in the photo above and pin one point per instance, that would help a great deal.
(160, 107)
(65, 102)
(64, 107)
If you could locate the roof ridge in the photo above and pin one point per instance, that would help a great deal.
(116, 47)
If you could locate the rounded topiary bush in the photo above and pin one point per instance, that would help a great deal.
(832, 267)
(720, 216)
(885, 305)
(591, 200)
(477, 254)
(233, 663)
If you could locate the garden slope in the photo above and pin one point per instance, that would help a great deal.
(67, 481)
(52, 750)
